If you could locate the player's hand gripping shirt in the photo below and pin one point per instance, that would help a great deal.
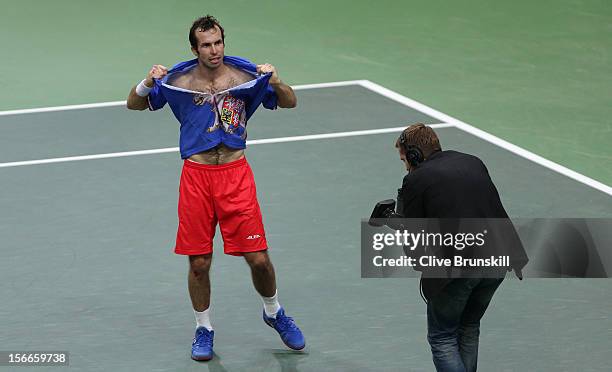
(210, 119)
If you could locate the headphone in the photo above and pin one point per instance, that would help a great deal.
(414, 155)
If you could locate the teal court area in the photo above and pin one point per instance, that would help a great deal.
(87, 264)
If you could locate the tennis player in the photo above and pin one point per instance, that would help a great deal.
(212, 97)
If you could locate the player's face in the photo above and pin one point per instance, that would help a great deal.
(210, 49)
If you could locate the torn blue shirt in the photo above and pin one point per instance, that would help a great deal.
(207, 120)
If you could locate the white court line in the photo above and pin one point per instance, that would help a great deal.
(377, 89)
(249, 143)
(486, 136)
(123, 103)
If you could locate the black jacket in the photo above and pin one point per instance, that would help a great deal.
(451, 184)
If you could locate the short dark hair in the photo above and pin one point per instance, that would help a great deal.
(423, 137)
(203, 24)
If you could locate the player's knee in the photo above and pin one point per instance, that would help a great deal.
(200, 265)
(260, 263)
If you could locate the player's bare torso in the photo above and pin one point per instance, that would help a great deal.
(230, 78)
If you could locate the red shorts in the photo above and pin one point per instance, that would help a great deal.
(222, 193)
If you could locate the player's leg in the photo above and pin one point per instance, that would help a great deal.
(199, 282)
(194, 238)
(243, 233)
(264, 280)
(199, 291)
(262, 273)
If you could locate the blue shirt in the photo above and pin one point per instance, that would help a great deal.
(210, 119)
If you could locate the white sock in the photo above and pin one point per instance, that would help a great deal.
(271, 305)
(203, 319)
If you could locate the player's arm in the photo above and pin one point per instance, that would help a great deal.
(286, 96)
(137, 100)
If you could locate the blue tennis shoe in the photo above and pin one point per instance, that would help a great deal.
(286, 328)
(202, 346)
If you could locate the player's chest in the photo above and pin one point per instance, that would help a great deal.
(214, 86)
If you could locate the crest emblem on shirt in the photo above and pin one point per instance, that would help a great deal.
(232, 111)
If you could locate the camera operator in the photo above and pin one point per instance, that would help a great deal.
(449, 184)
